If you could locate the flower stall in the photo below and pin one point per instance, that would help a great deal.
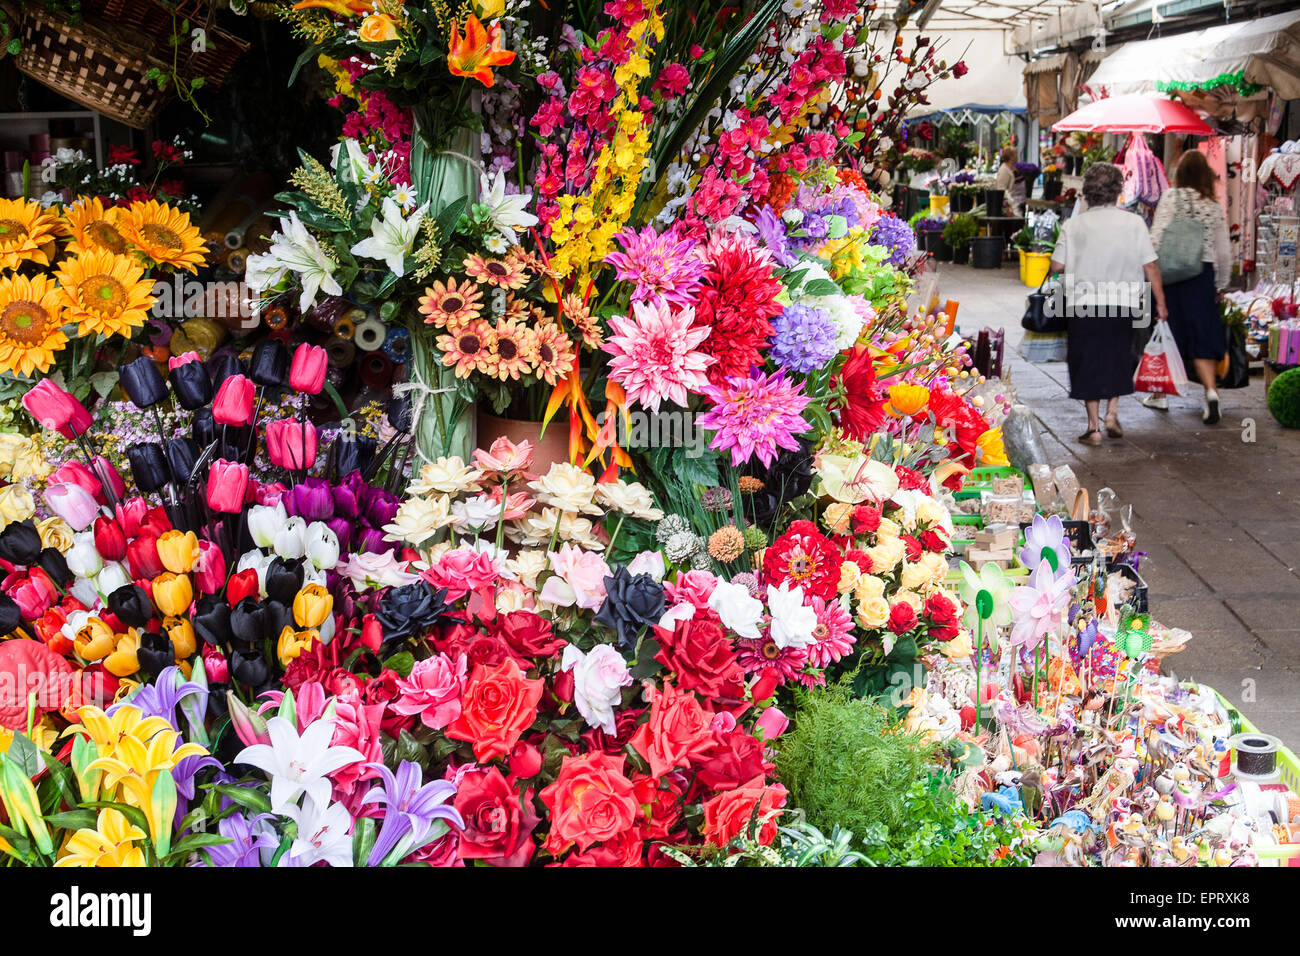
(577, 484)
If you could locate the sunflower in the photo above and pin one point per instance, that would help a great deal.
(105, 293)
(164, 234)
(502, 273)
(516, 350)
(26, 233)
(30, 326)
(91, 226)
(554, 353)
(451, 306)
(472, 348)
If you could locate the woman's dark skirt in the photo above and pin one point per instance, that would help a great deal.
(1194, 317)
(1100, 356)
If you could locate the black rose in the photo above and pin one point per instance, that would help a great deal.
(410, 609)
(632, 602)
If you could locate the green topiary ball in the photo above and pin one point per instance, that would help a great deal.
(1284, 398)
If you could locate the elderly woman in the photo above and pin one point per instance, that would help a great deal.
(1104, 255)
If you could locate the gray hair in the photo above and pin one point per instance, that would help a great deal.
(1102, 184)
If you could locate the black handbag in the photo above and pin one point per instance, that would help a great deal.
(1036, 317)
(1238, 374)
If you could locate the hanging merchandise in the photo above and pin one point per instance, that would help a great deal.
(1144, 175)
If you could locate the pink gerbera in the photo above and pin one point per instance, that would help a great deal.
(664, 267)
(785, 662)
(755, 415)
(655, 354)
(833, 635)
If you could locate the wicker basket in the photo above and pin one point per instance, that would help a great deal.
(149, 19)
(101, 68)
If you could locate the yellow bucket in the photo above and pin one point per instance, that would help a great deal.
(1034, 267)
(938, 205)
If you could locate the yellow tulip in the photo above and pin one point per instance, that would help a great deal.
(94, 640)
(312, 606)
(908, 399)
(180, 632)
(172, 593)
(178, 550)
(292, 643)
(123, 662)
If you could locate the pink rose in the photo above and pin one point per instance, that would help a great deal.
(580, 578)
(692, 586)
(356, 725)
(462, 571)
(433, 690)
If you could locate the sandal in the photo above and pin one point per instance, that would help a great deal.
(1091, 437)
(1113, 429)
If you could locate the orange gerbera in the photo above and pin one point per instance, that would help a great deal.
(477, 52)
(516, 350)
(502, 273)
(91, 226)
(908, 399)
(164, 234)
(26, 233)
(452, 305)
(31, 328)
(104, 293)
(554, 353)
(470, 349)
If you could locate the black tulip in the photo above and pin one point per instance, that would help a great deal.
(204, 429)
(248, 622)
(131, 605)
(222, 366)
(352, 454)
(284, 579)
(191, 384)
(20, 543)
(10, 615)
(278, 616)
(399, 412)
(155, 652)
(143, 383)
(52, 563)
(148, 465)
(219, 707)
(270, 364)
(182, 454)
(212, 619)
(250, 668)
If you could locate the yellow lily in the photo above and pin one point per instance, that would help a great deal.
(23, 805)
(111, 843)
(135, 771)
(107, 732)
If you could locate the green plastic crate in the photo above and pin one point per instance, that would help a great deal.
(987, 473)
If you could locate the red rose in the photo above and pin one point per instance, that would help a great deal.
(527, 634)
(677, 733)
(943, 617)
(861, 559)
(934, 541)
(959, 69)
(866, 519)
(525, 761)
(699, 652)
(487, 650)
(805, 558)
(728, 814)
(913, 547)
(498, 823)
(902, 618)
(732, 759)
(910, 480)
(590, 802)
(623, 850)
(498, 706)
(625, 725)
(664, 798)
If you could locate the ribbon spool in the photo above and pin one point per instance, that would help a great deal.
(1256, 757)
(370, 334)
(397, 344)
(237, 259)
(276, 316)
(339, 352)
(376, 370)
(345, 325)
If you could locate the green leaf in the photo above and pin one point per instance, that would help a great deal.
(305, 57)
(134, 814)
(363, 840)
(248, 797)
(334, 395)
(401, 663)
(25, 754)
(821, 287)
(194, 842)
(72, 820)
(63, 778)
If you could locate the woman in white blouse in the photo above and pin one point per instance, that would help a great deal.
(1193, 308)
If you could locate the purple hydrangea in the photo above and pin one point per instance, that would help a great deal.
(895, 235)
(803, 338)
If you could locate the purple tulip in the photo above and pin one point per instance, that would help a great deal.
(381, 507)
(311, 500)
(342, 529)
(372, 540)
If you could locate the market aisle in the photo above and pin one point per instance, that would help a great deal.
(1217, 513)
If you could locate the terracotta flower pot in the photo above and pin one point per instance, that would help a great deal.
(548, 449)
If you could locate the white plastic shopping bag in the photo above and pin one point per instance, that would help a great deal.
(1161, 369)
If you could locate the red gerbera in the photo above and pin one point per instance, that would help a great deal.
(863, 411)
(954, 412)
(736, 298)
(806, 558)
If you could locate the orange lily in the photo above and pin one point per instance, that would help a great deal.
(477, 52)
(344, 8)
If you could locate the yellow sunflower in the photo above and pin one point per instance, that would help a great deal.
(30, 325)
(164, 234)
(91, 226)
(26, 233)
(105, 293)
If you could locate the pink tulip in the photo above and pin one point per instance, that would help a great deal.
(234, 402)
(307, 370)
(73, 472)
(772, 723)
(209, 568)
(183, 359)
(56, 409)
(291, 444)
(103, 469)
(73, 503)
(227, 484)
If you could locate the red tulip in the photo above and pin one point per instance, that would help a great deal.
(110, 539)
(74, 472)
(155, 522)
(242, 584)
(525, 761)
(130, 513)
(234, 402)
(285, 444)
(227, 483)
(56, 409)
(307, 371)
(765, 686)
(142, 557)
(372, 633)
(210, 568)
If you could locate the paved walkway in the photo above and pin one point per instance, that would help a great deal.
(1217, 512)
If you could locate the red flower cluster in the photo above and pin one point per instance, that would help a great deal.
(806, 558)
(737, 296)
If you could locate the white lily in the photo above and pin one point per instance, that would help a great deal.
(322, 835)
(294, 249)
(506, 212)
(298, 764)
(391, 236)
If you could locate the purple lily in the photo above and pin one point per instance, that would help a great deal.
(413, 810)
(249, 837)
(160, 698)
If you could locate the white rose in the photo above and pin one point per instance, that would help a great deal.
(598, 680)
(738, 610)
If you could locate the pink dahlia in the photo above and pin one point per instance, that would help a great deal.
(655, 354)
(755, 415)
(664, 267)
(833, 635)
